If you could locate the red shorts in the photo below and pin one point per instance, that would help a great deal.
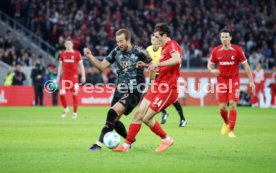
(259, 88)
(69, 85)
(228, 89)
(160, 100)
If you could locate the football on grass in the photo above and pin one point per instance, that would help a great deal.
(111, 140)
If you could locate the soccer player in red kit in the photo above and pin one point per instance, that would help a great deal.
(273, 88)
(69, 62)
(161, 94)
(259, 80)
(227, 57)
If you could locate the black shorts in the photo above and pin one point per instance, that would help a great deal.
(129, 100)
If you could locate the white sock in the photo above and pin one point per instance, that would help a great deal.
(167, 139)
(99, 143)
(126, 145)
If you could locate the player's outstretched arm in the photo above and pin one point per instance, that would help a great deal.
(250, 76)
(59, 71)
(101, 65)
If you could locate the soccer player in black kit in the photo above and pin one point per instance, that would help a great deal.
(130, 83)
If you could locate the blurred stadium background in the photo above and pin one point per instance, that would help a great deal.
(33, 31)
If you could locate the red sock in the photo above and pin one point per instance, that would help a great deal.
(132, 132)
(75, 103)
(63, 100)
(158, 130)
(224, 115)
(232, 119)
(254, 100)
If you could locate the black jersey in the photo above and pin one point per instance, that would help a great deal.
(128, 75)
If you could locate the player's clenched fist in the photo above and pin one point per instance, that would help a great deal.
(141, 64)
(87, 52)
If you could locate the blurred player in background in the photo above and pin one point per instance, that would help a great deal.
(227, 57)
(155, 52)
(69, 62)
(259, 81)
(161, 93)
(273, 88)
(128, 93)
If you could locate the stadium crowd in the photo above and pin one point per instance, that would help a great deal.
(195, 24)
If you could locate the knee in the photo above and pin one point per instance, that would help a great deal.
(111, 117)
(138, 118)
(146, 120)
(222, 108)
(232, 105)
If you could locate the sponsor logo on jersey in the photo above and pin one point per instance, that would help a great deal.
(226, 63)
(69, 60)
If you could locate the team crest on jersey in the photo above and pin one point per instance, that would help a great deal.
(133, 56)
(232, 58)
(120, 56)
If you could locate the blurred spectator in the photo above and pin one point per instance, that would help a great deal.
(244, 99)
(111, 76)
(194, 23)
(254, 59)
(273, 88)
(52, 75)
(93, 76)
(19, 76)
(37, 81)
(9, 78)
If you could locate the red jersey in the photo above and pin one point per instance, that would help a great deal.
(259, 76)
(274, 77)
(169, 74)
(228, 60)
(70, 68)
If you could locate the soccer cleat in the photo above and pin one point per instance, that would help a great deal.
(164, 117)
(120, 148)
(224, 129)
(164, 145)
(64, 113)
(75, 115)
(182, 123)
(231, 134)
(95, 147)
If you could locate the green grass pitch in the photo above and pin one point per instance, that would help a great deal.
(36, 140)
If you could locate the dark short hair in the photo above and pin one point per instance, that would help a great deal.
(125, 32)
(68, 39)
(162, 28)
(226, 30)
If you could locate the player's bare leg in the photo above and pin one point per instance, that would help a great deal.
(64, 103)
(135, 126)
(113, 114)
(232, 118)
(75, 101)
(155, 127)
(224, 114)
